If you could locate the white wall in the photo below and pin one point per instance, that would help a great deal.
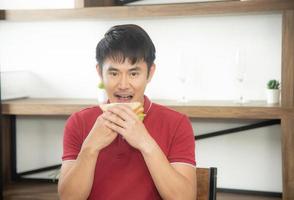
(209, 51)
(249, 160)
(35, 4)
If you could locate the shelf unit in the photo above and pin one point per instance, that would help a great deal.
(193, 109)
(284, 112)
(149, 11)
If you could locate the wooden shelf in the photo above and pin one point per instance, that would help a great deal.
(196, 109)
(160, 10)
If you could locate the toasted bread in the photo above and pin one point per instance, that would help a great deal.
(135, 106)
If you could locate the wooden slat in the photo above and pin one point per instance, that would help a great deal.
(6, 146)
(231, 112)
(288, 59)
(181, 9)
(2, 14)
(197, 109)
(45, 106)
(93, 3)
(287, 124)
(203, 183)
(24, 190)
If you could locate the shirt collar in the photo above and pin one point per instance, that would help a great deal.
(147, 104)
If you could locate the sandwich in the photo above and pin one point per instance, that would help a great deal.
(135, 106)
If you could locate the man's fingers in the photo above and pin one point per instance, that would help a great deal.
(114, 119)
(124, 112)
(114, 127)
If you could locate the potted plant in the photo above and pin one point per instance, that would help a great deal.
(102, 96)
(273, 91)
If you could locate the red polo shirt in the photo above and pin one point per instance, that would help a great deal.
(121, 172)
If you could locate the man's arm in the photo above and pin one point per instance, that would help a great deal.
(76, 179)
(173, 181)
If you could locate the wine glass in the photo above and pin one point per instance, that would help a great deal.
(240, 76)
(183, 85)
(182, 74)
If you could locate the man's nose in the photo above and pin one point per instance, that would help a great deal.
(124, 82)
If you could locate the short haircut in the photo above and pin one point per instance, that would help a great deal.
(126, 41)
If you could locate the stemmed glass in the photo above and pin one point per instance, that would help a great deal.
(183, 81)
(182, 75)
(240, 76)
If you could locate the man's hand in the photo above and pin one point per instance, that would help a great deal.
(100, 135)
(172, 182)
(124, 121)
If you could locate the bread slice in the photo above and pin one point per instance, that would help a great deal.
(135, 106)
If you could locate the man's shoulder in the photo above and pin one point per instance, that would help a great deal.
(86, 113)
(90, 110)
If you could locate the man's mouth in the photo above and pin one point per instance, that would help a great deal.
(123, 97)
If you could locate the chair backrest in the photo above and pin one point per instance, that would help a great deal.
(206, 183)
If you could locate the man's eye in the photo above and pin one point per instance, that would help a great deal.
(113, 73)
(134, 74)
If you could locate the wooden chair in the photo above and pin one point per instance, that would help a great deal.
(206, 183)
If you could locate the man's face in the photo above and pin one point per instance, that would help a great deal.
(125, 82)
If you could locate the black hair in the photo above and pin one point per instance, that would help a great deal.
(126, 41)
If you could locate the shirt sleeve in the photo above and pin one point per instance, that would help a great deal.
(72, 138)
(183, 144)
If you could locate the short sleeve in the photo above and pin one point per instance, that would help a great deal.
(72, 138)
(183, 144)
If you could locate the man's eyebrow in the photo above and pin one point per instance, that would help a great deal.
(135, 69)
(112, 69)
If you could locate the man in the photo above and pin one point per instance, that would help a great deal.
(113, 155)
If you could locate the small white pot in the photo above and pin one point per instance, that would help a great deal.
(273, 96)
(102, 96)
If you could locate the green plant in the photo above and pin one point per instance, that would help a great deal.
(273, 84)
(101, 85)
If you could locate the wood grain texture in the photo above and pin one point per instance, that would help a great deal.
(195, 109)
(2, 14)
(32, 190)
(151, 11)
(287, 124)
(6, 146)
(45, 106)
(288, 59)
(287, 101)
(93, 3)
(203, 183)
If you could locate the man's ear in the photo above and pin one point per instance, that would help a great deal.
(99, 71)
(151, 72)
